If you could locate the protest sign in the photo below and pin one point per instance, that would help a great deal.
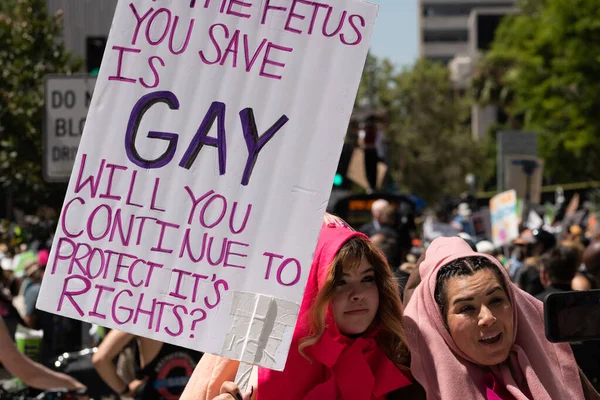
(204, 170)
(505, 221)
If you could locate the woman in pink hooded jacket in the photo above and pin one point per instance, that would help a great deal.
(473, 335)
(348, 342)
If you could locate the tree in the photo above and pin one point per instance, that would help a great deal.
(427, 127)
(29, 49)
(543, 70)
(433, 149)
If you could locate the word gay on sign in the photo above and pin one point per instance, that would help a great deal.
(204, 170)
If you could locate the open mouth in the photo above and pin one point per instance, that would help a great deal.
(493, 339)
(357, 312)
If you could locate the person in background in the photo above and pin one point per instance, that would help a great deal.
(374, 226)
(474, 336)
(589, 278)
(349, 339)
(558, 268)
(31, 373)
(389, 248)
(155, 377)
(528, 277)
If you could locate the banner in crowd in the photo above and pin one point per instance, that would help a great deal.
(204, 170)
(505, 220)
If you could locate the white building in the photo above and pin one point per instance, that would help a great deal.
(444, 26)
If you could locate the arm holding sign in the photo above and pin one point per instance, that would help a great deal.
(31, 373)
(209, 377)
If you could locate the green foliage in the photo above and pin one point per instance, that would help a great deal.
(29, 50)
(427, 126)
(544, 70)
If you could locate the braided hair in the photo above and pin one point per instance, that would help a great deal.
(467, 266)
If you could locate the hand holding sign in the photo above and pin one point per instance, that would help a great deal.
(204, 170)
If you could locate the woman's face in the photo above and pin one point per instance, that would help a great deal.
(480, 317)
(356, 299)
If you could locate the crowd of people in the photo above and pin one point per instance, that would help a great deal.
(385, 315)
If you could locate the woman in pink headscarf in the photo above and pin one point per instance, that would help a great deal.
(348, 343)
(474, 335)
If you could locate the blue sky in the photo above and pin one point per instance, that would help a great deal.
(396, 31)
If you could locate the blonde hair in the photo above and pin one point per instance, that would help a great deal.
(391, 337)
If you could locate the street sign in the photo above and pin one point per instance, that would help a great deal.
(67, 99)
(510, 143)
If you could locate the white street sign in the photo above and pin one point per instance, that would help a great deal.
(67, 99)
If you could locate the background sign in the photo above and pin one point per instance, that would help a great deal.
(205, 168)
(67, 99)
(505, 221)
(512, 143)
(524, 174)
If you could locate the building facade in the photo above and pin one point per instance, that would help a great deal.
(444, 26)
(83, 21)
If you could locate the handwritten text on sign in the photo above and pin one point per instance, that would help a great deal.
(204, 169)
(300, 17)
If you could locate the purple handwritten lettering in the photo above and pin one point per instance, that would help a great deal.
(268, 7)
(104, 219)
(111, 175)
(356, 29)
(91, 180)
(254, 143)
(339, 27)
(231, 253)
(150, 24)
(232, 217)
(216, 111)
(187, 37)
(139, 20)
(69, 294)
(115, 306)
(211, 35)
(238, 13)
(154, 72)
(153, 199)
(205, 207)
(140, 108)
(101, 290)
(119, 77)
(268, 61)
(63, 219)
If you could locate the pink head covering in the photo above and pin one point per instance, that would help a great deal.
(341, 368)
(43, 256)
(535, 369)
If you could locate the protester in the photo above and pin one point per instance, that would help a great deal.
(558, 270)
(156, 378)
(474, 336)
(591, 260)
(349, 339)
(31, 373)
(374, 226)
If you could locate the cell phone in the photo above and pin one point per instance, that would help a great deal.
(572, 316)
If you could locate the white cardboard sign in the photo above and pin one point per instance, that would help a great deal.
(205, 168)
(505, 221)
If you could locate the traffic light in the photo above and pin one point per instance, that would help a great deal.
(94, 46)
(340, 181)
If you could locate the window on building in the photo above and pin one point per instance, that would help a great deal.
(446, 35)
(457, 9)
